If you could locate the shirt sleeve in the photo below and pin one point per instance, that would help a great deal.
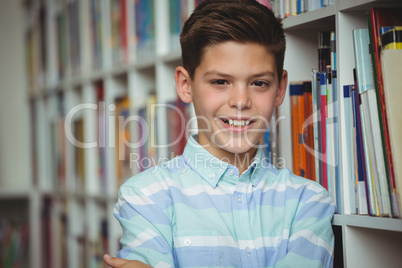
(311, 239)
(147, 235)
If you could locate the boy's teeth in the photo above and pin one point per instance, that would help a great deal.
(238, 123)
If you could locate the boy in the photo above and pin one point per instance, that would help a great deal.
(221, 204)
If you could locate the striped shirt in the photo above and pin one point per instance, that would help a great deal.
(196, 211)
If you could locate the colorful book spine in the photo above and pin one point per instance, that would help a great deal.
(274, 138)
(266, 141)
(335, 123)
(333, 50)
(100, 97)
(316, 95)
(74, 36)
(295, 91)
(370, 185)
(123, 135)
(323, 113)
(145, 28)
(300, 6)
(308, 129)
(361, 196)
(124, 30)
(301, 131)
(391, 57)
(330, 137)
(324, 51)
(377, 18)
(175, 15)
(350, 178)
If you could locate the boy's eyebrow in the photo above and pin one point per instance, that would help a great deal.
(217, 73)
(267, 73)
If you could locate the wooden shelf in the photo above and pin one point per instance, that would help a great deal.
(381, 223)
(320, 19)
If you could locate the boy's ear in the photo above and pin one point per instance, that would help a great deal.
(281, 93)
(183, 84)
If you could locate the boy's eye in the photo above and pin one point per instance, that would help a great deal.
(220, 82)
(260, 83)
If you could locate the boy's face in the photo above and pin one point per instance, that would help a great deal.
(234, 91)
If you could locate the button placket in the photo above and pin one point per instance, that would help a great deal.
(239, 199)
(248, 251)
(187, 242)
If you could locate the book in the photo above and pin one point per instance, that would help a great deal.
(47, 232)
(96, 34)
(273, 127)
(58, 142)
(62, 227)
(123, 138)
(308, 130)
(333, 138)
(350, 177)
(119, 31)
(330, 141)
(361, 195)
(174, 23)
(324, 50)
(101, 135)
(377, 18)
(145, 28)
(316, 95)
(79, 155)
(74, 36)
(372, 126)
(333, 50)
(300, 6)
(323, 119)
(391, 57)
(266, 143)
(14, 234)
(310, 5)
(147, 130)
(301, 136)
(335, 120)
(295, 93)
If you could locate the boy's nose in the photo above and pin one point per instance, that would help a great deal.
(240, 99)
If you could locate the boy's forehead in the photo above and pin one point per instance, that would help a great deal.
(230, 49)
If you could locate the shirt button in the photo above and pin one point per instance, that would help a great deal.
(248, 251)
(278, 242)
(231, 172)
(187, 242)
(212, 176)
(239, 200)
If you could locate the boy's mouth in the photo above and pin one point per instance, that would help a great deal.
(237, 123)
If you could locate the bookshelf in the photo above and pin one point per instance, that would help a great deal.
(87, 65)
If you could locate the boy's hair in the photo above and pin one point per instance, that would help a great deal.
(244, 21)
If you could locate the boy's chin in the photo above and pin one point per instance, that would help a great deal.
(238, 148)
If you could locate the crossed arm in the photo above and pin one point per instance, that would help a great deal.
(123, 263)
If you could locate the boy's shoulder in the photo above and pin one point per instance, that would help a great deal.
(288, 178)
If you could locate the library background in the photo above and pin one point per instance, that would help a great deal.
(80, 80)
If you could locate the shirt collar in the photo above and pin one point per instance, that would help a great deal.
(211, 169)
